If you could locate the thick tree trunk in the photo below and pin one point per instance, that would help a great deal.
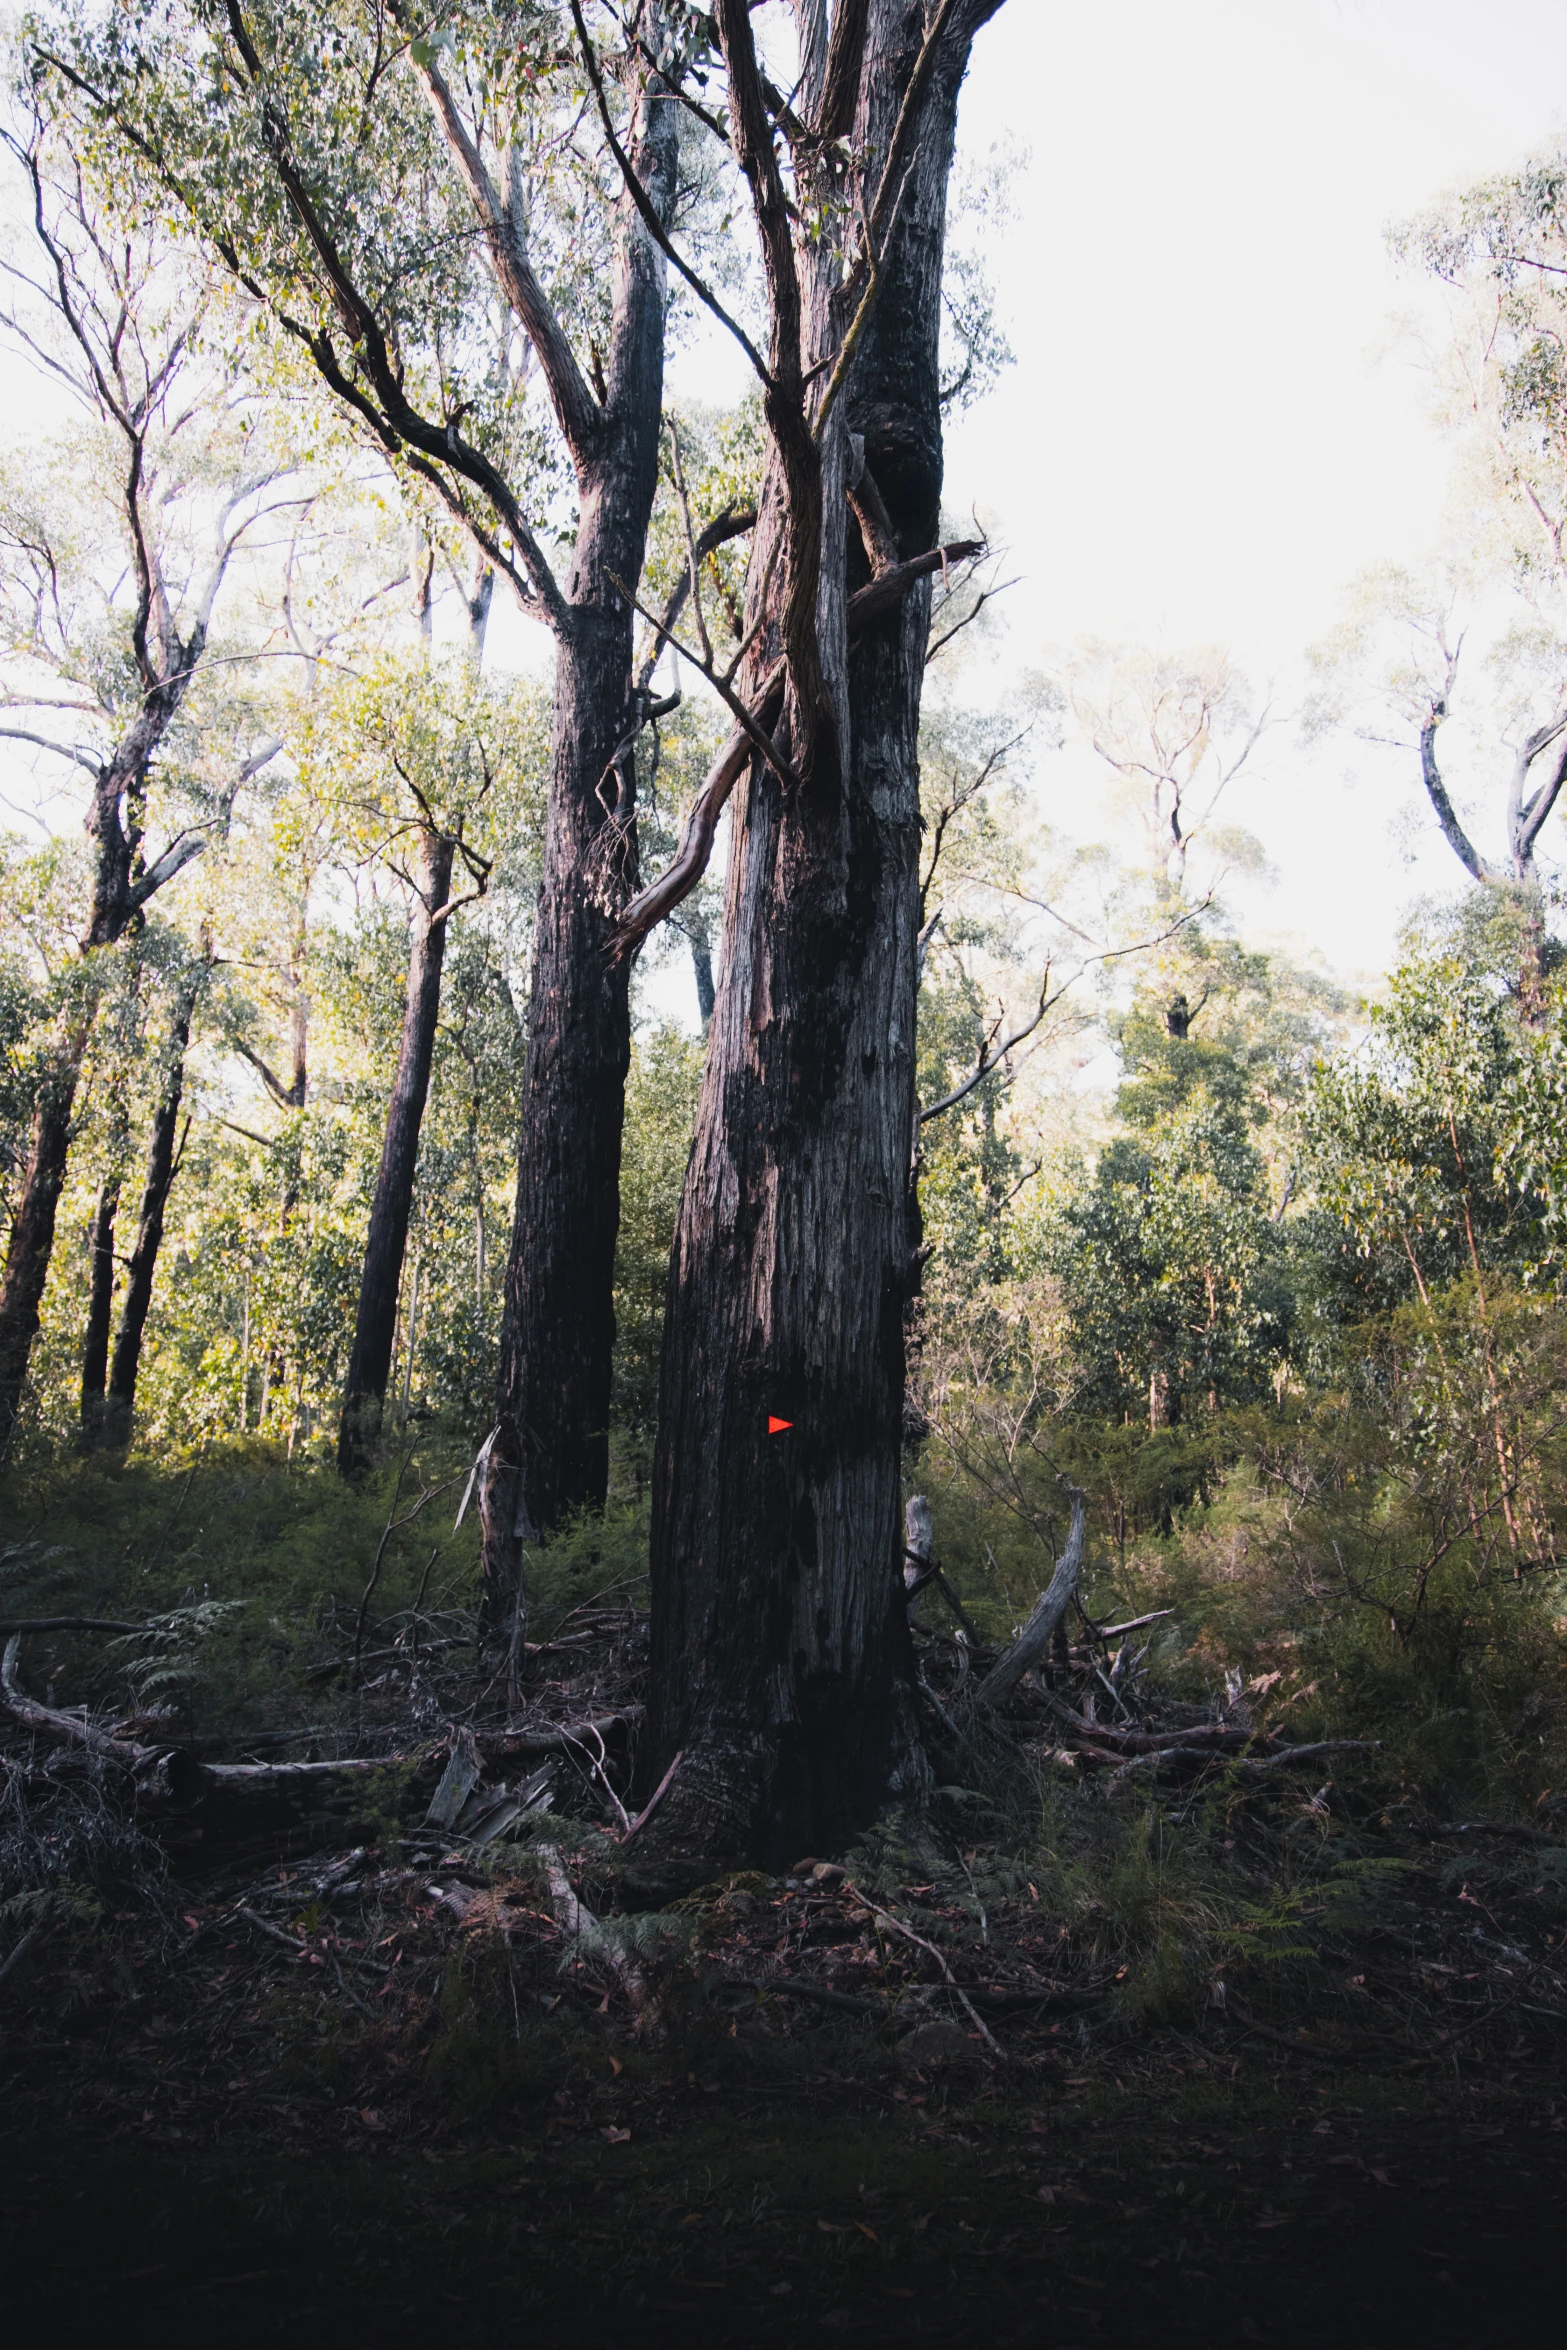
(781, 1659)
(162, 1166)
(370, 1361)
(100, 1310)
(549, 1454)
(551, 1451)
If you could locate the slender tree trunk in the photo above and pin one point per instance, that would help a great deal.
(32, 1233)
(549, 1454)
(100, 1310)
(120, 891)
(163, 1152)
(781, 1663)
(702, 968)
(370, 1361)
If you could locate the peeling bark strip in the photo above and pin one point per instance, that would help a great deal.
(781, 1658)
(370, 1360)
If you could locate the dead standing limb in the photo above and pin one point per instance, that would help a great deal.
(1036, 1635)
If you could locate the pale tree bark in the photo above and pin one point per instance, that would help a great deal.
(782, 1660)
(1534, 788)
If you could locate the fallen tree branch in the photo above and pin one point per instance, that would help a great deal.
(797, 1987)
(11, 1627)
(578, 1923)
(909, 1935)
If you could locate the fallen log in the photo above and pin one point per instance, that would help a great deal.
(11, 1627)
(202, 1809)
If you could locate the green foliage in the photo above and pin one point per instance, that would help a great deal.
(1431, 1151)
(661, 1093)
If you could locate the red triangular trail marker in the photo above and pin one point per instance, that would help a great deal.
(775, 1426)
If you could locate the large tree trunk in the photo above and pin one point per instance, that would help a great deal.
(370, 1362)
(162, 1166)
(551, 1451)
(549, 1454)
(781, 1659)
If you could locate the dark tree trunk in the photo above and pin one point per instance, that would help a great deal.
(370, 1362)
(162, 1165)
(32, 1234)
(549, 1454)
(781, 1661)
(702, 967)
(100, 1308)
(120, 892)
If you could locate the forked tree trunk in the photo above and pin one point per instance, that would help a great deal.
(781, 1658)
(370, 1360)
(163, 1156)
(121, 888)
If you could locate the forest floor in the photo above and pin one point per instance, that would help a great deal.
(1213, 2040)
(357, 2112)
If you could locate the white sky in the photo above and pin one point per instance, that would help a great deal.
(1209, 429)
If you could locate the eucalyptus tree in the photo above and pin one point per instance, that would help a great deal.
(1175, 729)
(430, 223)
(781, 1660)
(1462, 662)
(424, 765)
(1484, 727)
(116, 542)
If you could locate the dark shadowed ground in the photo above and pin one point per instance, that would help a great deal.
(225, 2140)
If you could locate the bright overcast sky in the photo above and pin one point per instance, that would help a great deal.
(1209, 428)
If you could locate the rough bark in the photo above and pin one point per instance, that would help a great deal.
(162, 1166)
(550, 1452)
(370, 1359)
(781, 1658)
